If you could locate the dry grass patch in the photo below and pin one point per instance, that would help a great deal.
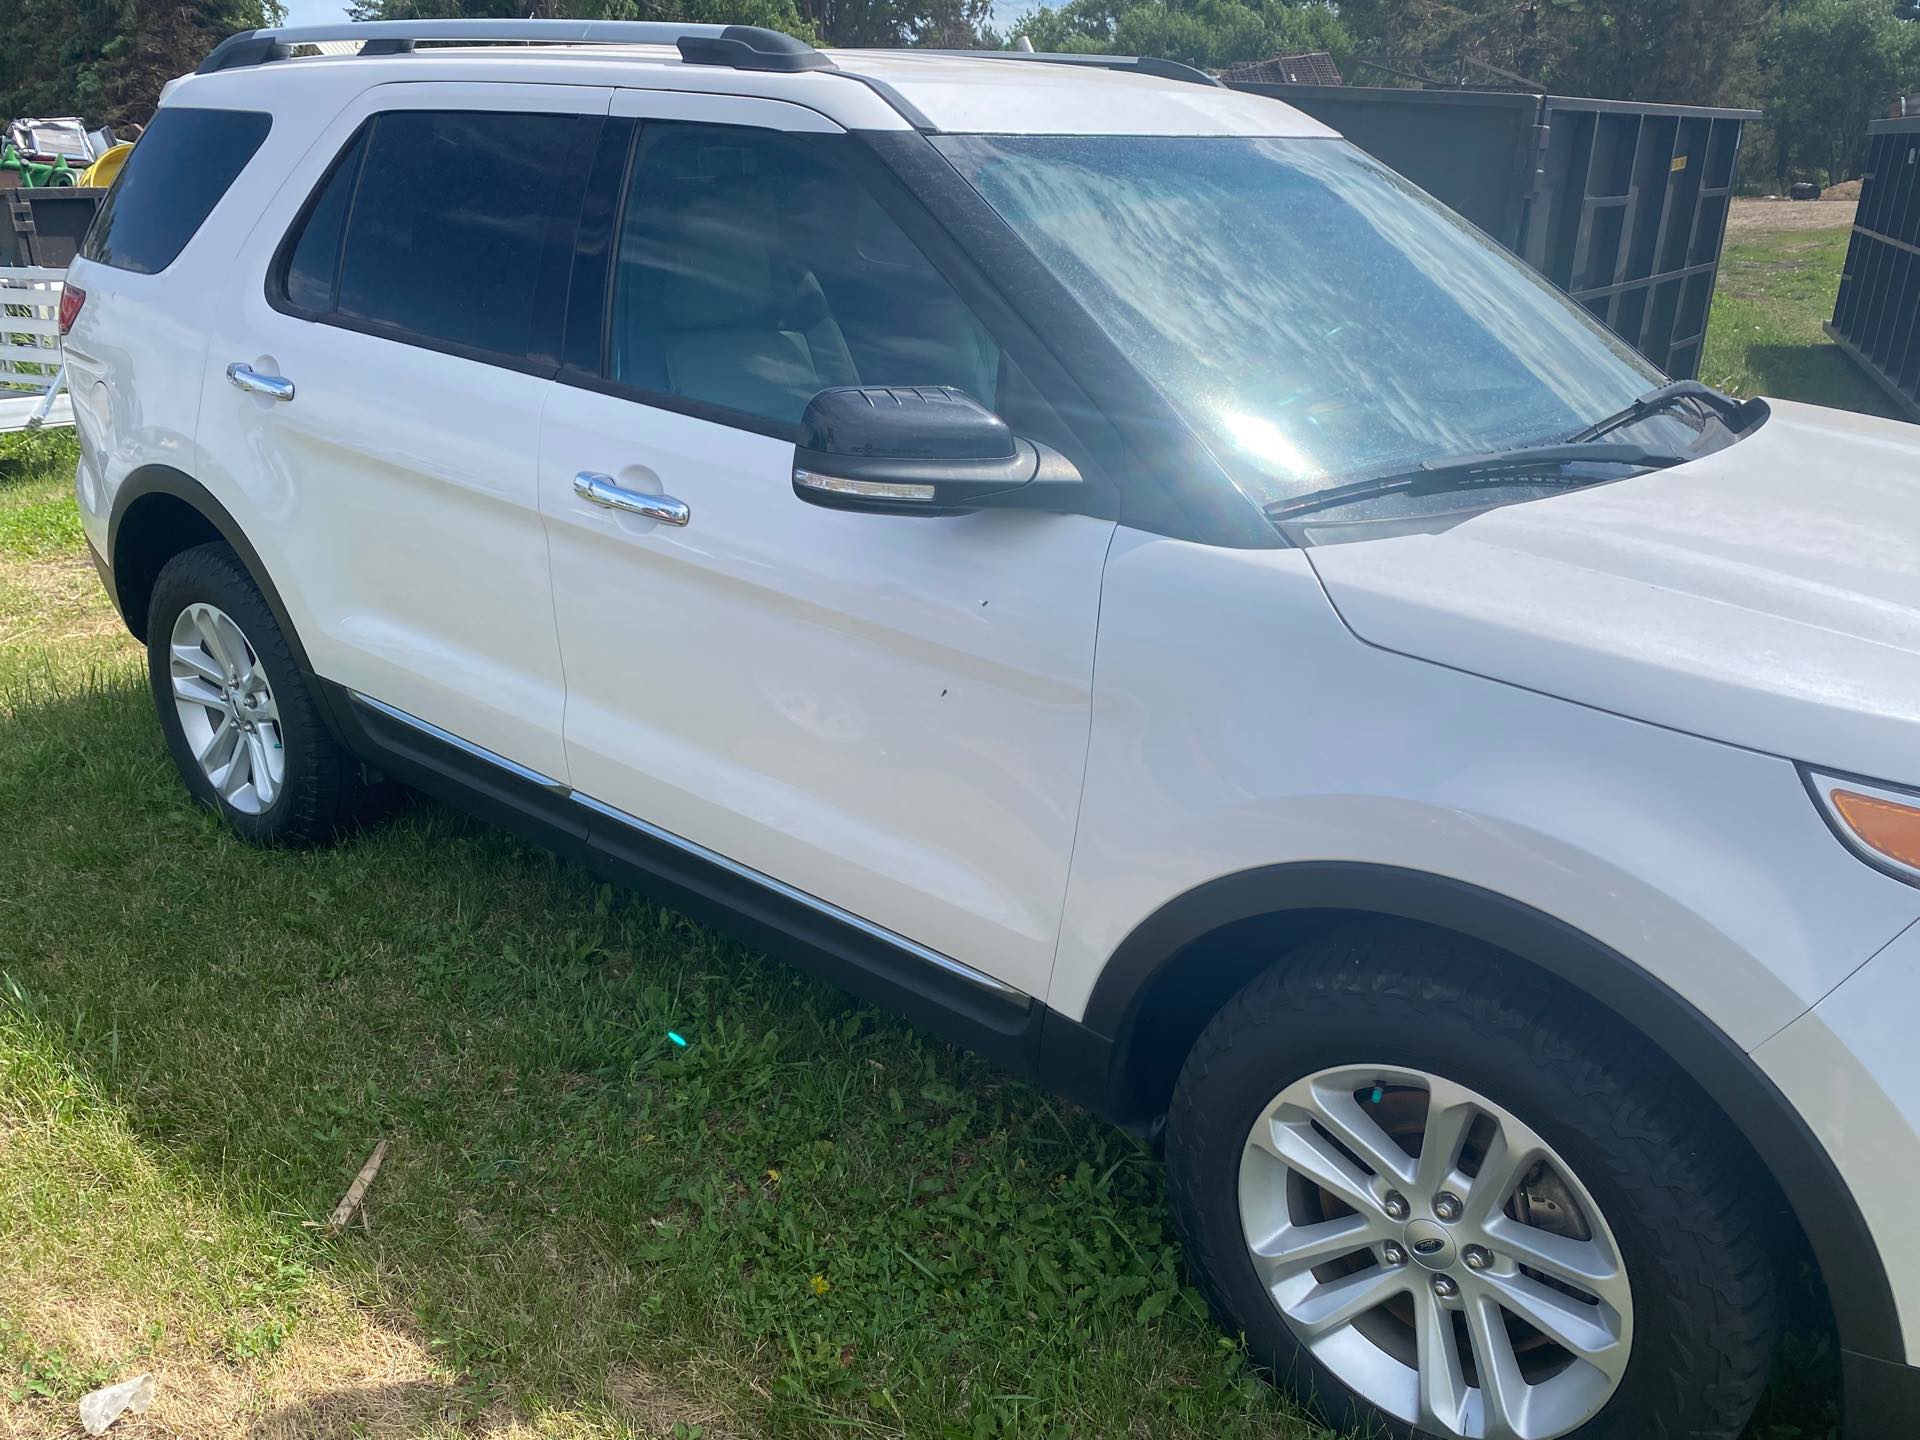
(58, 601)
(357, 1379)
(655, 1407)
(1749, 218)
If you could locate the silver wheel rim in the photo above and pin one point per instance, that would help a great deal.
(1435, 1254)
(227, 708)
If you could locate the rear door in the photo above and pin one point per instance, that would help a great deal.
(407, 287)
(883, 716)
(164, 235)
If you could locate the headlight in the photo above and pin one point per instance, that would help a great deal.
(1877, 822)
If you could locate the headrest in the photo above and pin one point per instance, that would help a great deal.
(715, 259)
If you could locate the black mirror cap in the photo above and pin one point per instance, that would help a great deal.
(917, 450)
(916, 422)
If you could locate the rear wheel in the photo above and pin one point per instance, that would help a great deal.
(1449, 1203)
(241, 724)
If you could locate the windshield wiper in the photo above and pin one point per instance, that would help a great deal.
(1495, 467)
(1736, 413)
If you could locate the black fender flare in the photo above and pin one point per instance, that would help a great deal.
(151, 480)
(1843, 1246)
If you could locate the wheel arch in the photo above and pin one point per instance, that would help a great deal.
(1172, 973)
(158, 512)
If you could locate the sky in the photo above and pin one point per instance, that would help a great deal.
(315, 12)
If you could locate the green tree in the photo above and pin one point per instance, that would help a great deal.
(826, 22)
(1700, 52)
(1835, 65)
(1210, 33)
(107, 59)
(952, 24)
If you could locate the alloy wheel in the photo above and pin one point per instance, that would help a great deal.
(226, 707)
(1435, 1254)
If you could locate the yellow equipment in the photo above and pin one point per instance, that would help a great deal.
(106, 169)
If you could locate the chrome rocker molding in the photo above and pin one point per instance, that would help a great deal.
(800, 897)
(929, 988)
(478, 752)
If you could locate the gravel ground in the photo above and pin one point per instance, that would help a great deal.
(1753, 217)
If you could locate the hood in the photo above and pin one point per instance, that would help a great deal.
(1767, 595)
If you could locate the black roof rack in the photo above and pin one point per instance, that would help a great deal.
(738, 47)
(1138, 64)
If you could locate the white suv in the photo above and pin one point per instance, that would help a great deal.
(1092, 561)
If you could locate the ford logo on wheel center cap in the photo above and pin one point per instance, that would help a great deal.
(1431, 1245)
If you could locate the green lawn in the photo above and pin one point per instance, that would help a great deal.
(1774, 293)
(810, 1221)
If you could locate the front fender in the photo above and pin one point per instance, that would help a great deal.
(1250, 756)
(1238, 724)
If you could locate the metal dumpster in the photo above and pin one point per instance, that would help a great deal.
(1874, 317)
(44, 225)
(1621, 204)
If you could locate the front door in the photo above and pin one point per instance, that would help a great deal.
(887, 714)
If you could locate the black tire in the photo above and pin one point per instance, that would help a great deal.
(1676, 1187)
(322, 791)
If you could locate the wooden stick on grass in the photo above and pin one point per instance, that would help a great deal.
(356, 1192)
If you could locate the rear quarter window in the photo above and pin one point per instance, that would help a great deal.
(184, 163)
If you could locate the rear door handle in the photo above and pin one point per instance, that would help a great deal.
(274, 387)
(600, 489)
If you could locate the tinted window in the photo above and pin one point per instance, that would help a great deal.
(177, 173)
(752, 272)
(451, 216)
(313, 267)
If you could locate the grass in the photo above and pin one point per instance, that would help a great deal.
(810, 1221)
(1774, 292)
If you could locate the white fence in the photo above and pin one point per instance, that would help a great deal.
(31, 381)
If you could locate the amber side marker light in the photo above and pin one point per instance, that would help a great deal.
(1882, 825)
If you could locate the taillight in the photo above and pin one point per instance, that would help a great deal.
(72, 297)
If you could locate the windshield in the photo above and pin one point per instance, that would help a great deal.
(1312, 314)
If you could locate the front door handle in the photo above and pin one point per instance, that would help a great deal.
(600, 489)
(274, 387)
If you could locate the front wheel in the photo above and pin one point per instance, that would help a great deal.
(1444, 1202)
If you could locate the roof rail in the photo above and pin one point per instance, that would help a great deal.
(739, 47)
(1138, 64)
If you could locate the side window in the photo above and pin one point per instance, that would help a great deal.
(313, 264)
(752, 272)
(434, 227)
(184, 163)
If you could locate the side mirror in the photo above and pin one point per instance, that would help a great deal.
(920, 450)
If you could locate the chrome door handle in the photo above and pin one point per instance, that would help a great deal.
(600, 489)
(274, 387)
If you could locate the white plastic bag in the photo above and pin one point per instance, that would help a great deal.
(104, 1406)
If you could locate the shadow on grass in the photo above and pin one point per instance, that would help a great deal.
(1819, 375)
(27, 454)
